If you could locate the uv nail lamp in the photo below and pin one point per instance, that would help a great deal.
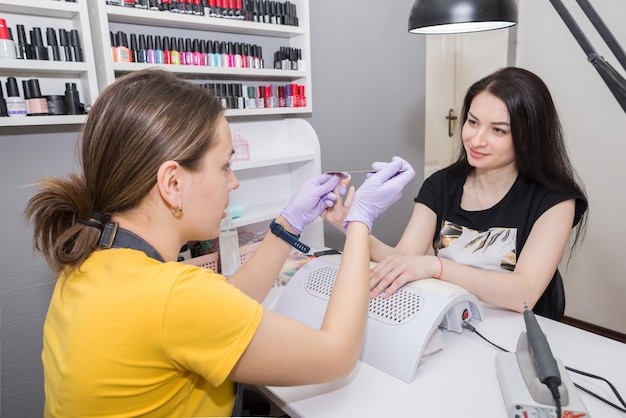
(400, 330)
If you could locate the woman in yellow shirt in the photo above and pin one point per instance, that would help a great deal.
(130, 332)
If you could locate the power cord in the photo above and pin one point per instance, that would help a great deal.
(554, 388)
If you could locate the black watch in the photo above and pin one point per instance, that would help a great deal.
(291, 239)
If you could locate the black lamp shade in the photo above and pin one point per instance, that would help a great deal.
(456, 16)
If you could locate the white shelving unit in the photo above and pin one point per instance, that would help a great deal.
(52, 75)
(284, 150)
(106, 18)
(283, 155)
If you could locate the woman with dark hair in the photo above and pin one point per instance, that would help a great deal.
(499, 218)
(131, 332)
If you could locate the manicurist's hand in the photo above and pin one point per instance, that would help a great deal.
(313, 197)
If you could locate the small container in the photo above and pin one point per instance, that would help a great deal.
(229, 247)
(56, 105)
(16, 106)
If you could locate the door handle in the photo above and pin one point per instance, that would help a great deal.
(451, 122)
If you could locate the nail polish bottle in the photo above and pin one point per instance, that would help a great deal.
(281, 96)
(27, 96)
(3, 105)
(167, 51)
(296, 95)
(150, 54)
(134, 48)
(224, 51)
(142, 54)
(175, 53)
(288, 96)
(196, 54)
(23, 47)
(113, 38)
(54, 53)
(123, 51)
(251, 98)
(188, 52)
(238, 55)
(159, 55)
(66, 49)
(37, 103)
(260, 97)
(7, 46)
(302, 96)
(77, 50)
(40, 52)
(72, 100)
(16, 106)
(182, 51)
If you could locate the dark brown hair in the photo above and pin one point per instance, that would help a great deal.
(140, 121)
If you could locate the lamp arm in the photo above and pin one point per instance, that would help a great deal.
(604, 31)
(614, 81)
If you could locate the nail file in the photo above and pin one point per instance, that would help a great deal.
(356, 171)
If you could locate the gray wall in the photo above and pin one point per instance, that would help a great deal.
(368, 91)
(368, 95)
(25, 281)
(595, 127)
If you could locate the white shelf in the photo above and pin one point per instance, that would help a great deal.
(270, 37)
(43, 120)
(231, 73)
(35, 68)
(43, 8)
(260, 213)
(288, 159)
(183, 21)
(52, 75)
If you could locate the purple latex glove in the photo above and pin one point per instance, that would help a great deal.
(379, 191)
(309, 202)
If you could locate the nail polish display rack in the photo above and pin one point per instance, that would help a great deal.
(106, 19)
(52, 76)
(283, 151)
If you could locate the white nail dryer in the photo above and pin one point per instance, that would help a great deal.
(401, 331)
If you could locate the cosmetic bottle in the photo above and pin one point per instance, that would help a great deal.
(134, 48)
(72, 100)
(188, 53)
(3, 105)
(122, 50)
(76, 48)
(23, 49)
(167, 51)
(27, 96)
(54, 53)
(66, 49)
(159, 55)
(37, 103)
(16, 106)
(142, 53)
(230, 259)
(40, 52)
(7, 46)
(150, 54)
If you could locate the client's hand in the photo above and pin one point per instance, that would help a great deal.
(379, 191)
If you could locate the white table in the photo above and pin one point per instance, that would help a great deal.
(460, 380)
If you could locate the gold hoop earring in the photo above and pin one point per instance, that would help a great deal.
(177, 212)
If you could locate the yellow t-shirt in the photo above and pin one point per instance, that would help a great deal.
(128, 336)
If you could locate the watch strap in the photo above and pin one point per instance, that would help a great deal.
(291, 239)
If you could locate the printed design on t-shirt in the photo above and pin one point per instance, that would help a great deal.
(493, 249)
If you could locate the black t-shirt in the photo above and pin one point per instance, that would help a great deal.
(490, 239)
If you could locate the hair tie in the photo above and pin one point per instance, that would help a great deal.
(101, 220)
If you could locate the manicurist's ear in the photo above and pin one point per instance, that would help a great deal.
(169, 182)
